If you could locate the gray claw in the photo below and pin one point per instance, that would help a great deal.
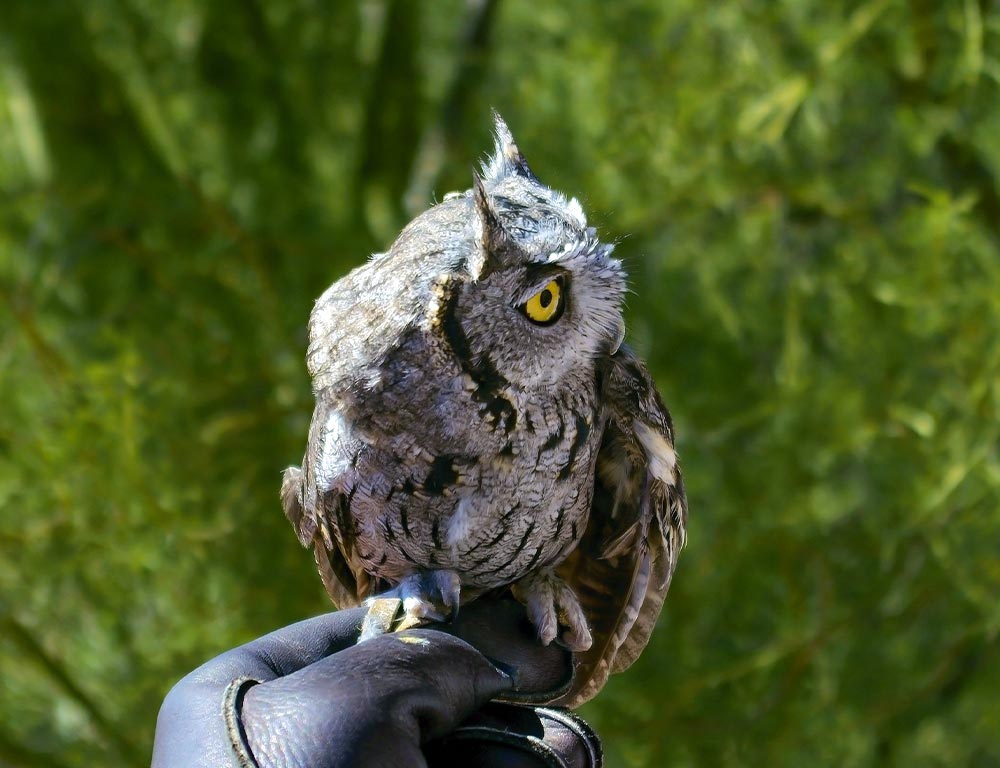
(427, 596)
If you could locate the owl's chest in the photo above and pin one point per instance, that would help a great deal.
(492, 515)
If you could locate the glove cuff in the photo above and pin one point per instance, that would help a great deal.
(525, 737)
(232, 709)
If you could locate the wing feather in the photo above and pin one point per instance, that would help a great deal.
(622, 568)
(318, 516)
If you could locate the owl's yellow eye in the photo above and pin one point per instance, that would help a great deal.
(546, 306)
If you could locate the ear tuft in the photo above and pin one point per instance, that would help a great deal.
(507, 159)
(491, 237)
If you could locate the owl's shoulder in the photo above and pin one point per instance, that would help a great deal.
(364, 316)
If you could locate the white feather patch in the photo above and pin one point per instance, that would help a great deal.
(574, 209)
(460, 524)
(333, 459)
(662, 457)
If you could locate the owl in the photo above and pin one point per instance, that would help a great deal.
(480, 426)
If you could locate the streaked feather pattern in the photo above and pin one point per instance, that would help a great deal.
(622, 568)
(461, 444)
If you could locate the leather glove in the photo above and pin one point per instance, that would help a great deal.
(308, 696)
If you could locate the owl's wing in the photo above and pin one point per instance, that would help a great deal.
(622, 567)
(321, 518)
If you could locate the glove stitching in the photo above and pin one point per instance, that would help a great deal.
(232, 706)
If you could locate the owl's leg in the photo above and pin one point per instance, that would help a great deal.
(425, 595)
(551, 602)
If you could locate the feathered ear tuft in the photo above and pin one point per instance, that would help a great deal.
(506, 159)
(492, 239)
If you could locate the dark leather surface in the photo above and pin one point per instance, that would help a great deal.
(306, 695)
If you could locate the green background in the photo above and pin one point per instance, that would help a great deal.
(807, 197)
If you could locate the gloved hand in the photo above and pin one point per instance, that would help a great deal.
(307, 696)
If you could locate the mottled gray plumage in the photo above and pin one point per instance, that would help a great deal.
(478, 425)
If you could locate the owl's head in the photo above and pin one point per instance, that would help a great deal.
(508, 275)
(540, 296)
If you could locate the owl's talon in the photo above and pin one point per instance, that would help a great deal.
(577, 639)
(449, 585)
(417, 609)
(549, 602)
(428, 596)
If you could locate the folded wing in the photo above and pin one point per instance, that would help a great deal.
(622, 568)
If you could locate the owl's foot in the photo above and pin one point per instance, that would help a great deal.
(426, 596)
(550, 602)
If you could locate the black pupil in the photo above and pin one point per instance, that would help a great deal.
(545, 298)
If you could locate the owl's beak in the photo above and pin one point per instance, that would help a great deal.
(619, 335)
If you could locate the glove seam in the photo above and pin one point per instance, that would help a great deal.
(232, 706)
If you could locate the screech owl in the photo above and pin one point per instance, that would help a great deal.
(478, 425)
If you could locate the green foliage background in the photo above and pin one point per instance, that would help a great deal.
(807, 195)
